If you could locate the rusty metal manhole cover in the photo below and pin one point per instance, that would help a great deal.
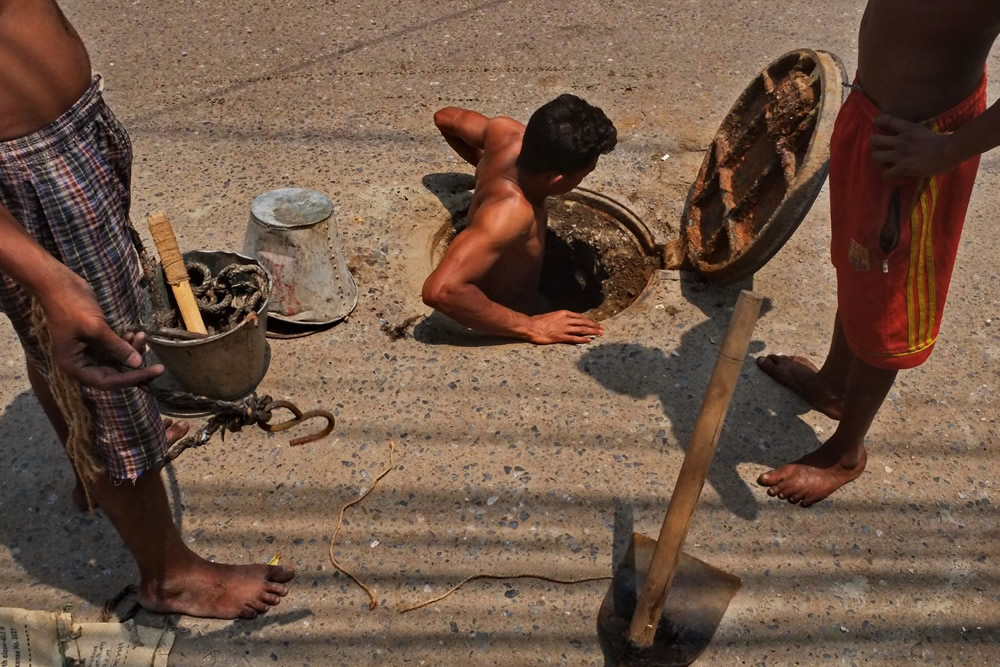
(765, 166)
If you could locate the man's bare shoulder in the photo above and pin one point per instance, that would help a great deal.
(502, 209)
(504, 193)
(503, 130)
(504, 124)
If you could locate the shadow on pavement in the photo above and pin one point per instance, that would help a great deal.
(679, 378)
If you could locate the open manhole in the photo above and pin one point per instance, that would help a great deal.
(758, 180)
(764, 169)
(599, 256)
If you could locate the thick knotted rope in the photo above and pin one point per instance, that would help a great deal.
(69, 397)
(232, 416)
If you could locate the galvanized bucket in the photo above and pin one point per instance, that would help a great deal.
(292, 232)
(225, 366)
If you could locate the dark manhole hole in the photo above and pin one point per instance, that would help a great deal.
(599, 257)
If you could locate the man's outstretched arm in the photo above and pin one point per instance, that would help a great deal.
(452, 289)
(84, 346)
(464, 130)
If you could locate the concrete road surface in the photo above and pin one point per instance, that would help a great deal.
(513, 458)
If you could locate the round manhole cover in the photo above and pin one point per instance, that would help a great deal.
(765, 166)
(599, 256)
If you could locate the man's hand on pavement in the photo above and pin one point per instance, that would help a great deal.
(84, 346)
(563, 326)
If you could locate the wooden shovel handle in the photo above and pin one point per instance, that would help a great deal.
(175, 271)
(691, 479)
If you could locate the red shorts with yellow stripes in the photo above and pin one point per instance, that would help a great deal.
(894, 243)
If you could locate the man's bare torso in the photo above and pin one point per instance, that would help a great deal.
(513, 280)
(917, 59)
(44, 66)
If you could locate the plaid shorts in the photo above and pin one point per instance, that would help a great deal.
(68, 185)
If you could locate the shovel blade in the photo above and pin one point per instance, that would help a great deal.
(698, 598)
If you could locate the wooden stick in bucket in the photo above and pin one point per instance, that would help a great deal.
(175, 271)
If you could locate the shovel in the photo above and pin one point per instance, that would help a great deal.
(663, 605)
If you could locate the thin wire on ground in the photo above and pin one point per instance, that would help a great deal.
(543, 577)
(372, 602)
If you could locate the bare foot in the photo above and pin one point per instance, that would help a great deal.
(817, 474)
(801, 376)
(211, 590)
(175, 431)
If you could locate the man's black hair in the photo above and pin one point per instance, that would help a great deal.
(565, 136)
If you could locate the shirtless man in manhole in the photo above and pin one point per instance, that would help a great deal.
(904, 156)
(488, 278)
(65, 165)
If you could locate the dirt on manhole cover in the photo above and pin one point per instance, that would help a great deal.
(765, 166)
(594, 264)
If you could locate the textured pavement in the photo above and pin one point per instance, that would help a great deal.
(513, 458)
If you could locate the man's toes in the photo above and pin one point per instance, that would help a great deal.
(276, 573)
(248, 612)
(270, 599)
(259, 606)
(276, 588)
(769, 478)
(777, 476)
(768, 362)
(782, 487)
(774, 486)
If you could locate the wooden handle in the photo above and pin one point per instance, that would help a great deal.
(175, 271)
(691, 479)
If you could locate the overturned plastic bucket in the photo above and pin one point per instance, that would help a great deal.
(227, 365)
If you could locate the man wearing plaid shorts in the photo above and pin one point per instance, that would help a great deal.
(65, 168)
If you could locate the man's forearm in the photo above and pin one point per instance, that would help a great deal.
(468, 153)
(467, 305)
(978, 136)
(26, 262)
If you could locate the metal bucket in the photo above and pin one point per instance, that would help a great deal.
(225, 366)
(292, 232)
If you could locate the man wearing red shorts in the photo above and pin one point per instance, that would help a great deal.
(904, 156)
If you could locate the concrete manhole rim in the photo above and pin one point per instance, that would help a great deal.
(627, 219)
(611, 210)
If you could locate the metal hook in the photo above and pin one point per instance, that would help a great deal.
(299, 418)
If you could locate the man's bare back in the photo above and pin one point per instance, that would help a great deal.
(513, 280)
(488, 278)
(44, 66)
